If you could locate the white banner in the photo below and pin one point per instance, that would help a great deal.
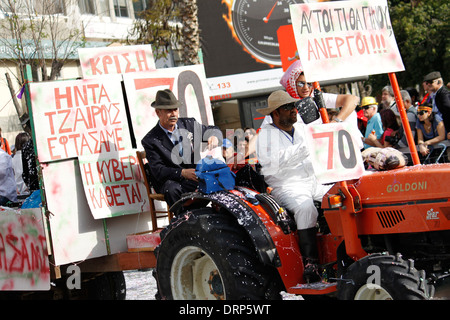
(187, 83)
(24, 261)
(334, 151)
(113, 184)
(97, 62)
(79, 117)
(344, 39)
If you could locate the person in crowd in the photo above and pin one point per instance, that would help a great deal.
(4, 144)
(430, 129)
(8, 190)
(286, 166)
(390, 127)
(434, 84)
(411, 113)
(20, 141)
(173, 147)
(414, 95)
(388, 100)
(29, 165)
(293, 80)
(374, 125)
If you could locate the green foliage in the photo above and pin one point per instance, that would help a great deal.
(421, 30)
(156, 26)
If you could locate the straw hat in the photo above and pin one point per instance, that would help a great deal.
(276, 100)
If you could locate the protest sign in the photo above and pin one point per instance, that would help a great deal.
(79, 117)
(187, 83)
(96, 62)
(113, 184)
(345, 39)
(334, 151)
(24, 261)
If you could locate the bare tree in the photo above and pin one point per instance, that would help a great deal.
(39, 33)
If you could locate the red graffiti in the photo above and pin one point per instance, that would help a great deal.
(23, 254)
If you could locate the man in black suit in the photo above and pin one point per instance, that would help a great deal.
(173, 148)
(434, 83)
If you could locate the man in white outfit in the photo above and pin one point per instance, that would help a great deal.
(286, 166)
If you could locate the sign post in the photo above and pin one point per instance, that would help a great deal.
(349, 39)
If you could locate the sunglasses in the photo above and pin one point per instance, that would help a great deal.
(301, 84)
(421, 113)
(367, 107)
(288, 106)
(429, 82)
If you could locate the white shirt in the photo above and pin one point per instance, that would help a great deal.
(22, 188)
(284, 158)
(7, 182)
(330, 103)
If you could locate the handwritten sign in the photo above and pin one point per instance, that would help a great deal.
(96, 62)
(345, 39)
(23, 251)
(113, 184)
(187, 83)
(79, 117)
(334, 151)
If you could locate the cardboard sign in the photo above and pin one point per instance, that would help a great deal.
(334, 151)
(113, 184)
(23, 251)
(187, 83)
(79, 117)
(97, 62)
(345, 39)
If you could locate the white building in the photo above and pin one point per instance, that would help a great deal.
(103, 22)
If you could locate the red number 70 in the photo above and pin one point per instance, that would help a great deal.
(347, 162)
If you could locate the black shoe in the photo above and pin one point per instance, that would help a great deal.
(311, 270)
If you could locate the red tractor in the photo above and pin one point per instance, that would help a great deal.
(383, 236)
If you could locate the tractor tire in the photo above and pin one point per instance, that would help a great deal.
(207, 255)
(383, 277)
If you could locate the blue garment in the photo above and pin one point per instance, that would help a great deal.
(374, 123)
(433, 133)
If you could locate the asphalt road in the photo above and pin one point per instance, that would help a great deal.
(141, 285)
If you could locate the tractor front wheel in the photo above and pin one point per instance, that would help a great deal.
(383, 277)
(207, 255)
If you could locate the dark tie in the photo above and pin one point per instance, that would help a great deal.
(178, 141)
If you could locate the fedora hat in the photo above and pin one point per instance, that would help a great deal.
(165, 99)
(276, 99)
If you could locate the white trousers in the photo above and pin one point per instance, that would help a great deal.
(299, 199)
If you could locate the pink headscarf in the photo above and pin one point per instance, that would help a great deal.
(289, 78)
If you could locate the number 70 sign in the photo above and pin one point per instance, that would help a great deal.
(334, 151)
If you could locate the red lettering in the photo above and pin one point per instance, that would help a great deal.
(106, 60)
(50, 120)
(88, 173)
(67, 96)
(65, 130)
(51, 147)
(329, 47)
(142, 62)
(93, 63)
(11, 240)
(339, 43)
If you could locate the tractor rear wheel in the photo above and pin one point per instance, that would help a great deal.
(383, 277)
(208, 255)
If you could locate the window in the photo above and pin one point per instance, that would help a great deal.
(120, 8)
(87, 6)
(140, 5)
(103, 7)
(49, 6)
